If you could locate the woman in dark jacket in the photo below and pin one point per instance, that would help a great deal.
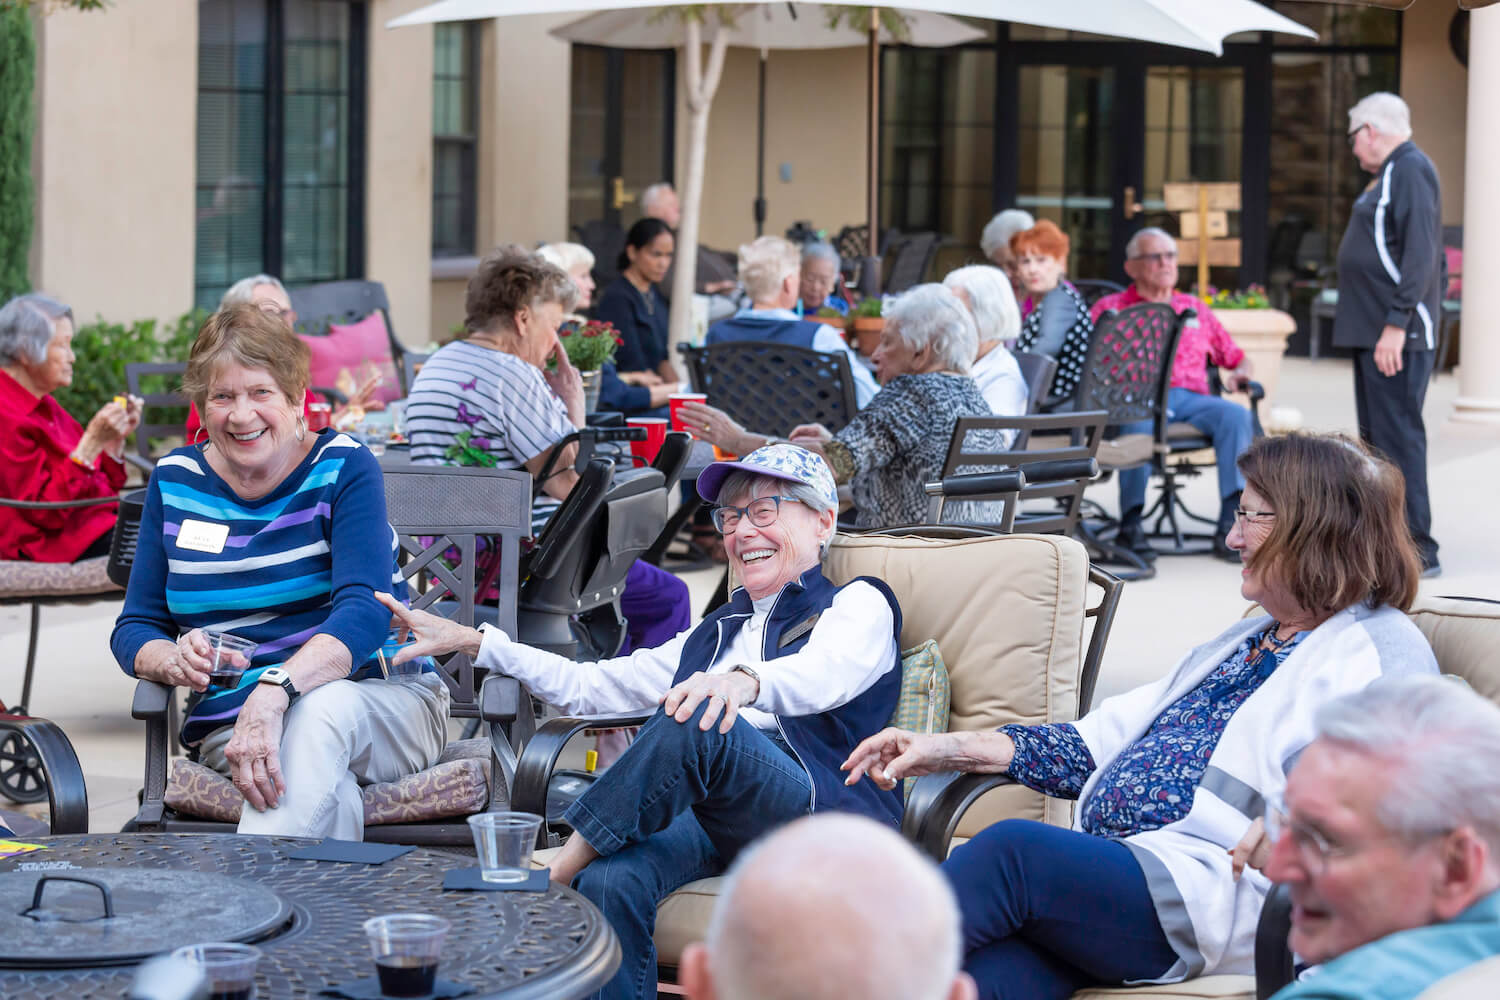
(637, 309)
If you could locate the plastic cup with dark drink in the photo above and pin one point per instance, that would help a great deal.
(406, 948)
(229, 657)
(228, 969)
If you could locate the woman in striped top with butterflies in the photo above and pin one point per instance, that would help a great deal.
(278, 536)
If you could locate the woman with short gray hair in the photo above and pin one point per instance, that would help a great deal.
(988, 295)
(995, 242)
(46, 455)
(897, 443)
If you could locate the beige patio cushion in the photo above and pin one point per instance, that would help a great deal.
(1464, 636)
(1207, 988)
(1477, 982)
(24, 578)
(1126, 451)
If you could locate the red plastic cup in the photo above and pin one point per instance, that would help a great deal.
(674, 403)
(319, 416)
(656, 436)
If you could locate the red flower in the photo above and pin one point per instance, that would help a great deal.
(590, 333)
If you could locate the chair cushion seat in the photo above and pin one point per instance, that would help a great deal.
(23, 578)
(457, 785)
(1126, 451)
(1183, 436)
(1206, 988)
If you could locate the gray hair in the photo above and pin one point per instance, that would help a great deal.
(931, 316)
(991, 300)
(1384, 112)
(886, 919)
(821, 250)
(242, 292)
(765, 263)
(999, 230)
(568, 256)
(26, 323)
(1133, 247)
(652, 195)
(742, 482)
(1440, 741)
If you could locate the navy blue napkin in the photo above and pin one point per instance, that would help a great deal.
(469, 878)
(369, 989)
(353, 851)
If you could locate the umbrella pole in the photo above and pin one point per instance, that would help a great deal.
(760, 152)
(872, 140)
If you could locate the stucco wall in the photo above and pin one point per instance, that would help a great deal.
(1435, 84)
(116, 98)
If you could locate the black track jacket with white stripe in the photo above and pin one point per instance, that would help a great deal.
(1391, 259)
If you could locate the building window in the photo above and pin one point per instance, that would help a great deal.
(455, 97)
(280, 142)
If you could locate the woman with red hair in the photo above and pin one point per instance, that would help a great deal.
(1054, 317)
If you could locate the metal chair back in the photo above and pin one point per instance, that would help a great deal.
(1127, 355)
(1037, 370)
(910, 260)
(135, 375)
(771, 388)
(1094, 289)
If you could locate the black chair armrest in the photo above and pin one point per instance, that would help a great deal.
(937, 802)
(331, 394)
(144, 464)
(67, 795)
(1255, 391)
(150, 704)
(1274, 966)
(539, 757)
(150, 701)
(57, 504)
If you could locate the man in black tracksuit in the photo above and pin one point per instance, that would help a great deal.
(1390, 296)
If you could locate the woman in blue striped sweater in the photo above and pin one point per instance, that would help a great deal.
(279, 536)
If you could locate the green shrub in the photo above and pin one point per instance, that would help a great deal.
(102, 350)
(17, 76)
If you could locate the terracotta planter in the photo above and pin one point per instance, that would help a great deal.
(1262, 334)
(867, 331)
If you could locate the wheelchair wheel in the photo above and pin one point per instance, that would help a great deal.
(21, 776)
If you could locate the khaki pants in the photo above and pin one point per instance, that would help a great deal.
(336, 738)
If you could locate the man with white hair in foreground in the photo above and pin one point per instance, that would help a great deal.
(829, 907)
(1389, 837)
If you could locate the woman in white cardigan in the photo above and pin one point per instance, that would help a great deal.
(1169, 777)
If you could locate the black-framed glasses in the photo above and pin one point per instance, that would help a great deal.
(762, 512)
(1253, 516)
(1355, 132)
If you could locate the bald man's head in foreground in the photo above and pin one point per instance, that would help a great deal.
(830, 907)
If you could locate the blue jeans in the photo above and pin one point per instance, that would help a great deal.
(1226, 423)
(678, 805)
(1048, 911)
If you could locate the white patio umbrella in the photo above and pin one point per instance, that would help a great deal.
(775, 26)
(1196, 24)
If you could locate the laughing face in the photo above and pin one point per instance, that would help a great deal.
(766, 559)
(252, 426)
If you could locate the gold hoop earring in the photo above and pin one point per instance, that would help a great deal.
(301, 427)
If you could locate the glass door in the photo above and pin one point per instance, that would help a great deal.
(621, 133)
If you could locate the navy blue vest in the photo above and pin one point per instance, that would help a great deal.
(822, 742)
(792, 332)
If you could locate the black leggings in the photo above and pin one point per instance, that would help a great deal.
(100, 547)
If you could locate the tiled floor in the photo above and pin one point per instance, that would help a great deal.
(79, 686)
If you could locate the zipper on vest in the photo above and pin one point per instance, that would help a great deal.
(765, 644)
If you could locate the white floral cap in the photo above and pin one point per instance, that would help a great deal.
(786, 462)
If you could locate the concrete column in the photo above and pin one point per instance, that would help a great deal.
(1479, 373)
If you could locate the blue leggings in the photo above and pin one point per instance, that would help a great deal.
(1047, 912)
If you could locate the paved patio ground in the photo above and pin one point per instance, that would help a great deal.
(1191, 598)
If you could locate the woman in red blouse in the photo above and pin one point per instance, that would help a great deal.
(44, 453)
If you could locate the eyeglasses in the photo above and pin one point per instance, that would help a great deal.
(1158, 258)
(1355, 132)
(1253, 516)
(1313, 849)
(762, 512)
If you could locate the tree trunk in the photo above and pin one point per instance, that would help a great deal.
(701, 86)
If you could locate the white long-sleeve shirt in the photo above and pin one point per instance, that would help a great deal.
(851, 647)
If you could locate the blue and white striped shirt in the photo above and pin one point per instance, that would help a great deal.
(303, 560)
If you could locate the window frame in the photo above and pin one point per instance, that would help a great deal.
(468, 193)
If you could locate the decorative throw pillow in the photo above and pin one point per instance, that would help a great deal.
(347, 347)
(923, 706)
(201, 791)
(453, 788)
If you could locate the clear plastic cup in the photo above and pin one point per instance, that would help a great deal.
(374, 438)
(407, 948)
(504, 842)
(228, 968)
(230, 657)
(386, 654)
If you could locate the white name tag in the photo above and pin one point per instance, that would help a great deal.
(201, 536)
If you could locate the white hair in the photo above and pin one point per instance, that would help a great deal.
(991, 300)
(1384, 112)
(1133, 247)
(765, 263)
(931, 316)
(833, 906)
(243, 291)
(653, 194)
(819, 250)
(999, 230)
(26, 327)
(1438, 742)
(567, 256)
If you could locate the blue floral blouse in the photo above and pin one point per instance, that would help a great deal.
(1151, 783)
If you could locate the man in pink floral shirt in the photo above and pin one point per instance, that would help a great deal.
(1151, 262)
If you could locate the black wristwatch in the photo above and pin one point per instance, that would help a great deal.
(278, 676)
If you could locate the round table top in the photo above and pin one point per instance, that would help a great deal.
(518, 945)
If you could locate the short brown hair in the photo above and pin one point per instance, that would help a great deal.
(1340, 535)
(511, 278)
(251, 338)
(1043, 238)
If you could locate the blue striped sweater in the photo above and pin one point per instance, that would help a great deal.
(304, 559)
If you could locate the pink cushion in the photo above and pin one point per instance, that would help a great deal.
(1455, 258)
(347, 347)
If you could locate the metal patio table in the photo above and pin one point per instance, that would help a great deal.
(305, 916)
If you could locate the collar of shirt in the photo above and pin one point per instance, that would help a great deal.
(749, 313)
(16, 399)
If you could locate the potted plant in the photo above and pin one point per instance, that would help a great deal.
(866, 322)
(591, 344)
(1260, 330)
